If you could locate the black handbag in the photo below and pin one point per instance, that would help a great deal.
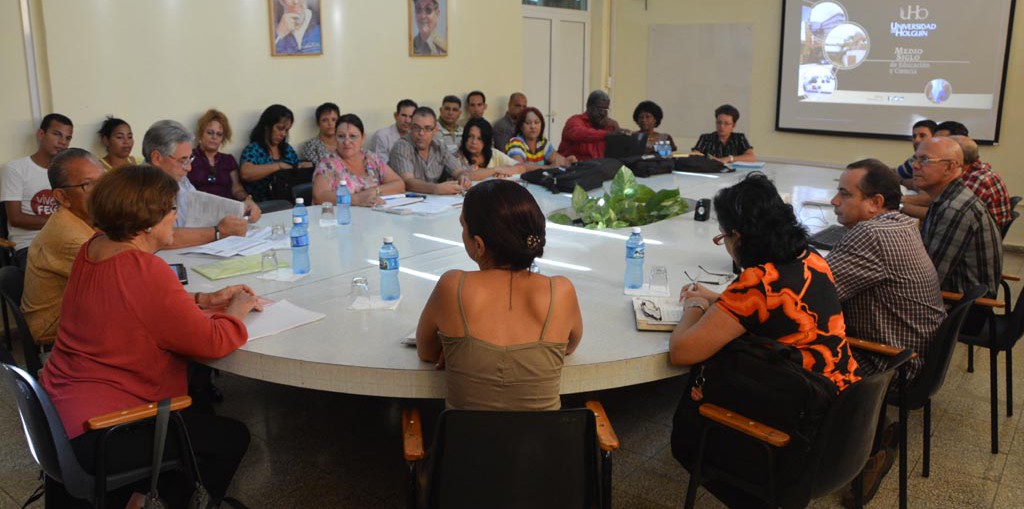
(698, 164)
(586, 174)
(760, 379)
(650, 164)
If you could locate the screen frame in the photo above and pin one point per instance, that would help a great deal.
(885, 136)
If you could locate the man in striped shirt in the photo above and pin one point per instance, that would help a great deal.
(960, 235)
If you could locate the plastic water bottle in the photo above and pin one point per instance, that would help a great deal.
(634, 260)
(534, 268)
(389, 288)
(300, 212)
(344, 207)
(300, 246)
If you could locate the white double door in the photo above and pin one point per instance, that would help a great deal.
(556, 64)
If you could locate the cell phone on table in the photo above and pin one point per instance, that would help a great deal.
(181, 271)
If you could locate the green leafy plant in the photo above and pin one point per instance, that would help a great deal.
(628, 204)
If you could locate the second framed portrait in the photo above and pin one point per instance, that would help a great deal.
(295, 28)
(428, 28)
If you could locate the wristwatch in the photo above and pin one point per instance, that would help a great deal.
(703, 308)
(216, 233)
(731, 159)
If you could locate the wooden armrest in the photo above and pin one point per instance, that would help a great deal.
(606, 437)
(749, 427)
(873, 347)
(135, 414)
(983, 301)
(6, 244)
(412, 435)
(1011, 277)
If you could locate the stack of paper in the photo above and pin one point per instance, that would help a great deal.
(432, 204)
(255, 242)
(277, 318)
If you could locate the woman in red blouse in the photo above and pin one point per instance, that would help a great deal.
(786, 291)
(128, 329)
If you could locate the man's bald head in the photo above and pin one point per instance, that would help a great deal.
(969, 148)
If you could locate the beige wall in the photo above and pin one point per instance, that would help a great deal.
(148, 60)
(632, 21)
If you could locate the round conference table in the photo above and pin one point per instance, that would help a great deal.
(361, 352)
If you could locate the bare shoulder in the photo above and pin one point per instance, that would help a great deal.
(563, 286)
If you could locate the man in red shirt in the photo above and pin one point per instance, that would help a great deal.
(584, 135)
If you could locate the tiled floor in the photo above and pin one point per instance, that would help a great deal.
(316, 449)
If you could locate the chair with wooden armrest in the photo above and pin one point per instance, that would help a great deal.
(513, 459)
(51, 449)
(1001, 335)
(1005, 285)
(12, 283)
(838, 453)
(892, 353)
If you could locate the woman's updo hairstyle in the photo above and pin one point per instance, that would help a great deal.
(769, 231)
(508, 219)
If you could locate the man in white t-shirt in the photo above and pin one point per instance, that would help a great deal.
(25, 188)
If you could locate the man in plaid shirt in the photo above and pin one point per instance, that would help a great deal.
(886, 282)
(959, 234)
(985, 183)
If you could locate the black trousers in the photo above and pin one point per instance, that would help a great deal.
(219, 444)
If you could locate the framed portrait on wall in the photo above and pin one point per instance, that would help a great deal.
(428, 28)
(295, 28)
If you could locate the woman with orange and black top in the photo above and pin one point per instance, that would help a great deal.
(786, 291)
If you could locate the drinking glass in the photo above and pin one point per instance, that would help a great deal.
(277, 232)
(659, 280)
(360, 290)
(268, 262)
(327, 217)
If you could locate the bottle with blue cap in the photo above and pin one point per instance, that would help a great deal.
(634, 279)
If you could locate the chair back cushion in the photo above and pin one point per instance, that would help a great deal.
(514, 459)
(12, 283)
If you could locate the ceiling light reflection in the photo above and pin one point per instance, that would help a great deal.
(599, 233)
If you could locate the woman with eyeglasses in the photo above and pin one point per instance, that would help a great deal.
(214, 171)
(724, 145)
(116, 136)
(785, 291)
(367, 176)
(127, 331)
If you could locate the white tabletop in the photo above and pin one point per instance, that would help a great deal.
(359, 352)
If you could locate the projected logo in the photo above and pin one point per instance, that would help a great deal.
(913, 13)
(938, 90)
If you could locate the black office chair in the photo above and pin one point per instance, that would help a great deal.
(1014, 200)
(50, 447)
(1003, 230)
(837, 454)
(269, 206)
(1000, 335)
(304, 191)
(929, 380)
(12, 281)
(514, 459)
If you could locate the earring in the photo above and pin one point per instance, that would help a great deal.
(149, 230)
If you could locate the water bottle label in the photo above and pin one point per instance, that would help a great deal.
(389, 264)
(345, 199)
(634, 252)
(300, 241)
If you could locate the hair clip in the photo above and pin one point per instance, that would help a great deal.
(532, 241)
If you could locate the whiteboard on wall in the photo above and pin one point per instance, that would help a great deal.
(693, 69)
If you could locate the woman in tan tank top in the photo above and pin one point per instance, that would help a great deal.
(501, 332)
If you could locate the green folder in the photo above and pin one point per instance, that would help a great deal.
(234, 267)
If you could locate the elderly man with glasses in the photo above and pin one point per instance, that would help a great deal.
(168, 146)
(960, 236)
(423, 162)
(72, 174)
